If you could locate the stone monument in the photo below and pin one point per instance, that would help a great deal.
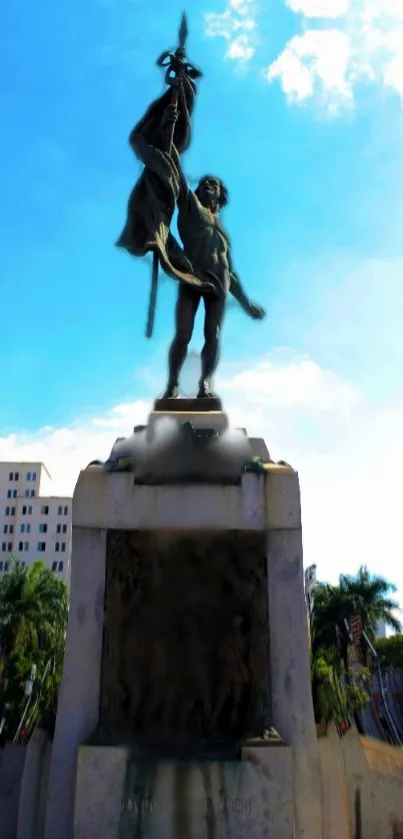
(185, 708)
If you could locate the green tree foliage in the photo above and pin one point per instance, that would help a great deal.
(335, 688)
(390, 651)
(329, 700)
(33, 619)
(368, 596)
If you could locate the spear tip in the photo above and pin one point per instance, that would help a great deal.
(183, 31)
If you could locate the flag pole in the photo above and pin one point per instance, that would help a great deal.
(175, 67)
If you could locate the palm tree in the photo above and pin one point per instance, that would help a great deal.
(367, 596)
(334, 607)
(329, 630)
(33, 618)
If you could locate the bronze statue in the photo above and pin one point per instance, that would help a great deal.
(203, 266)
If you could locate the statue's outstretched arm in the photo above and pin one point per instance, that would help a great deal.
(237, 291)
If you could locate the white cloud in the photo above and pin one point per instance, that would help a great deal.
(288, 395)
(316, 57)
(364, 43)
(236, 25)
(350, 460)
(319, 8)
(240, 49)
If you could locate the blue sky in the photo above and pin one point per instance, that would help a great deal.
(300, 113)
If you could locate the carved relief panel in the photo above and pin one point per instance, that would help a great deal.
(185, 655)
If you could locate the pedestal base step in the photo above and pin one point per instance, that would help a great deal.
(192, 405)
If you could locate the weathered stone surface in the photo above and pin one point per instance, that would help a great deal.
(259, 448)
(78, 705)
(264, 504)
(290, 675)
(217, 420)
(12, 760)
(182, 448)
(115, 501)
(119, 797)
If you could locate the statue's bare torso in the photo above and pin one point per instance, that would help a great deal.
(205, 241)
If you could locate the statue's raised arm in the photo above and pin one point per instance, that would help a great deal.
(152, 202)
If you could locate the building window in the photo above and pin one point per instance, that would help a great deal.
(5, 528)
(6, 546)
(26, 493)
(1, 565)
(15, 493)
(26, 546)
(54, 566)
(60, 511)
(60, 566)
(34, 476)
(65, 511)
(59, 528)
(28, 476)
(16, 476)
(41, 547)
(12, 513)
(6, 566)
(63, 547)
(57, 546)
(20, 546)
(43, 528)
(32, 493)
(7, 511)
(26, 511)
(11, 476)
(64, 528)
(28, 528)
(22, 528)
(9, 493)
(44, 510)
(30, 510)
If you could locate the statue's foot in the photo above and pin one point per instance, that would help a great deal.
(172, 392)
(205, 391)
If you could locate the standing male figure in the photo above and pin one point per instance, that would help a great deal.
(207, 248)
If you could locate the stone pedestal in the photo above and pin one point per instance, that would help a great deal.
(264, 790)
(118, 798)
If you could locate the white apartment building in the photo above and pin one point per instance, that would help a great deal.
(380, 630)
(33, 523)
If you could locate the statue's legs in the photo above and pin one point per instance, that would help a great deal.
(214, 312)
(186, 307)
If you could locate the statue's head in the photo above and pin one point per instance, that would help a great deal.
(212, 193)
